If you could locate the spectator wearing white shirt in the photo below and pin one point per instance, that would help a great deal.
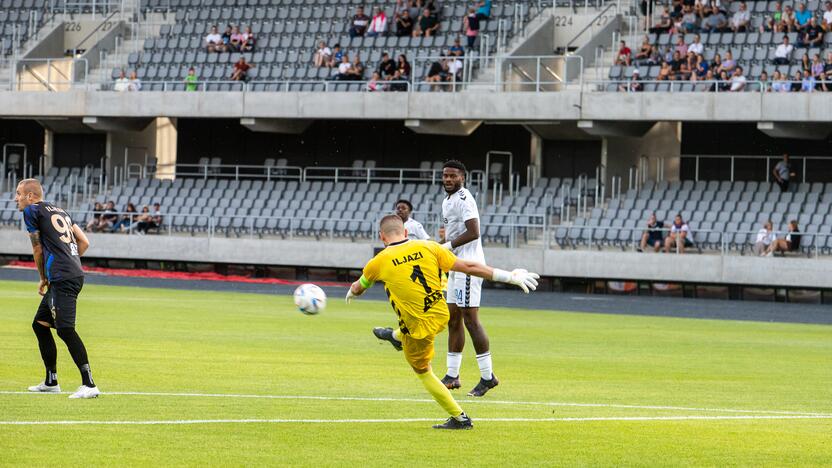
(738, 80)
(322, 56)
(378, 25)
(741, 19)
(213, 41)
(783, 53)
(679, 237)
(827, 17)
(122, 83)
(414, 228)
(765, 237)
(696, 46)
(135, 83)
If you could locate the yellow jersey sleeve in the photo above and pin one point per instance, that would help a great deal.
(370, 274)
(444, 257)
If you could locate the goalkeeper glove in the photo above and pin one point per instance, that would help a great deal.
(518, 277)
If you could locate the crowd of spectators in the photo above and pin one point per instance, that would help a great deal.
(105, 218)
(232, 40)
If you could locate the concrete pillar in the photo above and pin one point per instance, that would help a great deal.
(166, 142)
(535, 156)
(48, 149)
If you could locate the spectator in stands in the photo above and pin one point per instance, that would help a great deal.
(437, 73)
(403, 67)
(414, 228)
(397, 82)
(484, 10)
(322, 56)
(135, 83)
(681, 47)
(816, 69)
(456, 50)
(359, 23)
(779, 84)
(336, 57)
(126, 220)
(428, 24)
(156, 220)
(471, 27)
(724, 81)
(404, 24)
(634, 84)
(213, 41)
(782, 172)
(122, 83)
(715, 22)
(344, 69)
(93, 223)
(791, 243)
(665, 72)
(765, 83)
(772, 22)
(236, 40)
(653, 235)
(624, 55)
(801, 17)
(644, 50)
(664, 24)
(783, 53)
(191, 81)
(710, 78)
(787, 20)
(226, 38)
(455, 67)
(812, 35)
(765, 237)
(107, 219)
(696, 46)
(387, 67)
(701, 69)
(240, 71)
(686, 67)
(375, 83)
(676, 66)
(679, 237)
(797, 82)
(716, 63)
(826, 23)
(741, 19)
(378, 25)
(690, 20)
(728, 63)
(143, 221)
(808, 83)
(249, 41)
(356, 71)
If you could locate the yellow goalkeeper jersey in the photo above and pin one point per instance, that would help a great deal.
(412, 272)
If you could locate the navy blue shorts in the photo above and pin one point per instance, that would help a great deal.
(57, 307)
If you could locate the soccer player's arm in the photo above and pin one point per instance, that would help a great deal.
(472, 226)
(80, 239)
(365, 282)
(525, 280)
(30, 220)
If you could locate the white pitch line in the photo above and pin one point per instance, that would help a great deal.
(426, 400)
(400, 420)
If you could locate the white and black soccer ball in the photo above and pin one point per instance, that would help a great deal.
(310, 299)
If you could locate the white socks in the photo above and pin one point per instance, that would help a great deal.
(454, 362)
(484, 361)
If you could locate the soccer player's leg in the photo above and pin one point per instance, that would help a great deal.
(419, 353)
(393, 336)
(456, 332)
(470, 312)
(42, 325)
(65, 297)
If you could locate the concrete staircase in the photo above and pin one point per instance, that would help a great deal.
(6, 71)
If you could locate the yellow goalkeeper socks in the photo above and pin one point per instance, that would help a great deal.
(440, 393)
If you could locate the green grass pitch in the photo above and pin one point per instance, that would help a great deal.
(593, 385)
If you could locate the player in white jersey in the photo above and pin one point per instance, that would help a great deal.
(414, 228)
(462, 236)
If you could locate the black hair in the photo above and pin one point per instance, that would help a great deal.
(453, 163)
(406, 202)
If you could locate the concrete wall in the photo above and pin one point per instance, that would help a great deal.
(134, 144)
(662, 141)
(781, 272)
(526, 107)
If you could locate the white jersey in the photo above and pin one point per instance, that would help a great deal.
(456, 209)
(415, 230)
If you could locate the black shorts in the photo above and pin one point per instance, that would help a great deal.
(58, 304)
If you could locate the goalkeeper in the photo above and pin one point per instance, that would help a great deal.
(412, 271)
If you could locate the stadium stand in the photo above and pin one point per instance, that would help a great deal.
(288, 33)
(18, 20)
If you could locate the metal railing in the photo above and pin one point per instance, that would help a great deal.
(672, 86)
(801, 162)
(384, 174)
(48, 74)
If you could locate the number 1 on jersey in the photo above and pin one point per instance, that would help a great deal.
(417, 275)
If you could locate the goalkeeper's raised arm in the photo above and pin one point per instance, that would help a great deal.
(525, 280)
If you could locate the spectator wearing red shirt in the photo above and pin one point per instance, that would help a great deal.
(241, 69)
(625, 55)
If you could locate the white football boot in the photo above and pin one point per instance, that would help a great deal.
(43, 388)
(86, 392)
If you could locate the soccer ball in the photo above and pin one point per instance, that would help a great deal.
(310, 299)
